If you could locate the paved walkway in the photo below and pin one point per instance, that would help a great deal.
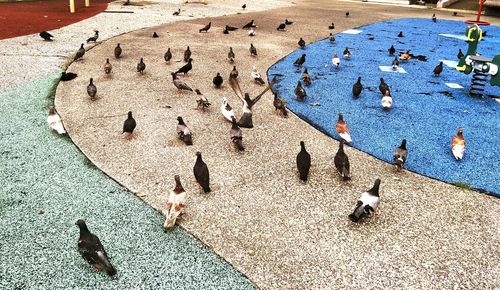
(281, 233)
(47, 184)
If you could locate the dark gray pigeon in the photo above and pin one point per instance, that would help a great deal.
(79, 53)
(46, 36)
(201, 173)
(91, 89)
(342, 163)
(357, 88)
(168, 55)
(129, 126)
(303, 162)
(187, 54)
(91, 249)
(118, 51)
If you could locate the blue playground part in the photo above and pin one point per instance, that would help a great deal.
(425, 111)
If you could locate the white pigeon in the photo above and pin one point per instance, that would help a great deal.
(335, 61)
(367, 203)
(387, 101)
(256, 76)
(55, 122)
(226, 110)
(251, 32)
(175, 203)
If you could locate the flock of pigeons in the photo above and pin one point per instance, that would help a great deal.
(89, 245)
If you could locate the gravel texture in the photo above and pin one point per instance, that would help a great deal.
(425, 110)
(281, 233)
(47, 184)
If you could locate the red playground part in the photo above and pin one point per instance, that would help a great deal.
(478, 17)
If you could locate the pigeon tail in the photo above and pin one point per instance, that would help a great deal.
(345, 173)
(104, 263)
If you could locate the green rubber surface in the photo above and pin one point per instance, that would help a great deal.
(47, 184)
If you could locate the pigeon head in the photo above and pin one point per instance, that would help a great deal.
(234, 67)
(179, 119)
(375, 188)
(81, 46)
(81, 224)
(187, 48)
(299, 84)
(190, 60)
(341, 117)
(142, 60)
(130, 114)
(460, 131)
(302, 145)
(174, 76)
(341, 147)
(178, 185)
(118, 45)
(107, 60)
(197, 91)
(403, 144)
(359, 79)
(91, 80)
(52, 110)
(305, 70)
(382, 80)
(198, 154)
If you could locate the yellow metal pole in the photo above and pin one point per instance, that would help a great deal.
(87, 3)
(72, 6)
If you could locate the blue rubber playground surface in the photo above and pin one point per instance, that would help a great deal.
(426, 111)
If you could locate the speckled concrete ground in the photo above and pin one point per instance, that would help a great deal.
(47, 184)
(281, 233)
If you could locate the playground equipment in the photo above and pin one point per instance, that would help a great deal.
(72, 5)
(478, 17)
(481, 66)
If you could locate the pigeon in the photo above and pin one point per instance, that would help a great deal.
(367, 203)
(184, 132)
(248, 103)
(176, 13)
(336, 61)
(391, 50)
(107, 67)
(280, 105)
(256, 76)
(342, 163)
(400, 156)
(438, 69)
(303, 162)
(225, 31)
(332, 26)
(301, 43)
(386, 101)
(168, 55)
(434, 19)
(455, 13)
(79, 53)
(357, 88)
(91, 89)
(331, 38)
(180, 85)
(118, 51)
(206, 27)
(201, 173)
(218, 81)
(93, 38)
(405, 56)
(244, 6)
(226, 110)
(253, 50)
(251, 32)
(383, 87)
(203, 103)
(347, 14)
(347, 53)
(55, 122)
(300, 93)
(460, 54)
(281, 27)
(92, 251)
(236, 135)
(400, 34)
(458, 145)
(395, 64)
(288, 22)
(155, 35)
(300, 61)
(46, 36)
(234, 73)
(186, 68)
(230, 55)
(342, 129)
(187, 54)
(67, 76)
(230, 28)
(306, 78)
(141, 66)
(175, 204)
(129, 126)
(249, 25)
